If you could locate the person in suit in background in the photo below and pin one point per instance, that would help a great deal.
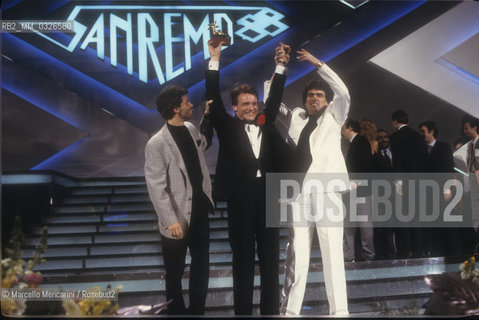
(359, 160)
(409, 156)
(439, 160)
(439, 155)
(250, 146)
(384, 237)
(386, 163)
(470, 127)
(179, 186)
(315, 130)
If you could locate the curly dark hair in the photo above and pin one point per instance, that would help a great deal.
(168, 99)
(242, 88)
(318, 85)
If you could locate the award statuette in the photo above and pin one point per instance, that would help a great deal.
(217, 35)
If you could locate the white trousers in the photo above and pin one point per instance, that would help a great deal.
(297, 266)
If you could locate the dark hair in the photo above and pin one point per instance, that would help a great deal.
(473, 122)
(400, 116)
(430, 125)
(168, 99)
(318, 85)
(382, 130)
(242, 88)
(353, 124)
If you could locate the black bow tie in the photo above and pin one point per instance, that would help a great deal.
(243, 121)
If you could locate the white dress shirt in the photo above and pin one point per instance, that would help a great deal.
(252, 130)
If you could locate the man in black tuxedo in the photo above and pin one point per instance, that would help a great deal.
(250, 146)
(386, 163)
(439, 159)
(409, 156)
(439, 155)
(408, 147)
(359, 160)
(383, 236)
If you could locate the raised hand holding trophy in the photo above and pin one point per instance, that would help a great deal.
(218, 36)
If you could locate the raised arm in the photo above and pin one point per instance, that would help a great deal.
(217, 108)
(275, 89)
(339, 106)
(206, 127)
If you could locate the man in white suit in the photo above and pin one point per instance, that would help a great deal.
(180, 189)
(316, 132)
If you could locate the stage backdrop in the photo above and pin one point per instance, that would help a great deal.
(83, 103)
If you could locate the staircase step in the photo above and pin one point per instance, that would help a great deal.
(125, 263)
(61, 240)
(130, 207)
(79, 209)
(136, 189)
(128, 227)
(143, 248)
(87, 200)
(113, 226)
(91, 191)
(57, 252)
(67, 230)
(72, 219)
(113, 183)
(128, 238)
(130, 216)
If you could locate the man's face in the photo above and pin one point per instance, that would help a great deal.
(315, 101)
(247, 107)
(347, 132)
(383, 140)
(469, 131)
(428, 135)
(184, 111)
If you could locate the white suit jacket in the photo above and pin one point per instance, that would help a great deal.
(167, 180)
(325, 140)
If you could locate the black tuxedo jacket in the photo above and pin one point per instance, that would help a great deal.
(409, 151)
(236, 161)
(381, 163)
(359, 158)
(440, 159)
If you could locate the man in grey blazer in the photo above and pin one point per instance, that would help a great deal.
(180, 189)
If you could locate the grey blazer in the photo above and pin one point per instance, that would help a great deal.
(168, 183)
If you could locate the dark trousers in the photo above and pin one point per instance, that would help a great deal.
(384, 243)
(174, 253)
(247, 223)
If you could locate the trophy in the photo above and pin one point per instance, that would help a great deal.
(217, 35)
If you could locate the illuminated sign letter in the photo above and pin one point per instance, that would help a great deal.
(194, 35)
(96, 35)
(169, 39)
(145, 47)
(125, 25)
(219, 17)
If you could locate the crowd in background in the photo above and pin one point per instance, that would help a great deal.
(374, 150)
